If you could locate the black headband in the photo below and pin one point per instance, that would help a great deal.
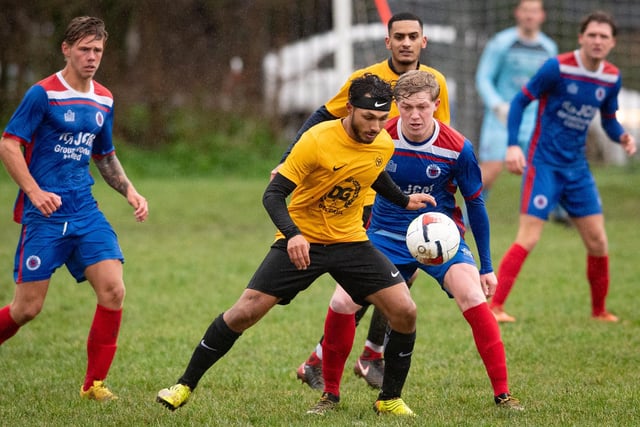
(368, 103)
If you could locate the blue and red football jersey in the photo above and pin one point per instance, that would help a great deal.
(61, 130)
(439, 166)
(570, 96)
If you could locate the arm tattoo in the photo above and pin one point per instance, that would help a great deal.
(113, 173)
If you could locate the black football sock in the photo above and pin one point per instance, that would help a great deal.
(377, 328)
(360, 313)
(217, 341)
(397, 361)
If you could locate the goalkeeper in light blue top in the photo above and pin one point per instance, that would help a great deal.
(508, 61)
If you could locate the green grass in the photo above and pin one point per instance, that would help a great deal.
(192, 259)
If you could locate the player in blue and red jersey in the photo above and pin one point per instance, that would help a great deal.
(62, 122)
(571, 88)
(432, 158)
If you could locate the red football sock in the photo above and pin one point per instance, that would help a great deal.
(8, 326)
(598, 276)
(313, 359)
(370, 354)
(508, 272)
(486, 334)
(101, 344)
(339, 333)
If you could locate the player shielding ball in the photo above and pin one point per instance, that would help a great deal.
(405, 41)
(327, 174)
(429, 158)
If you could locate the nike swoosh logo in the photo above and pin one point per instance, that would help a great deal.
(378, 104)
(364, 370)
(405, 354)
(336, 168)
(202, 344)
(395, 274)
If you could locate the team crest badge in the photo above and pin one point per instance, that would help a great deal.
(33, 262)
(540, 201)
(99, 118)
(433, 171)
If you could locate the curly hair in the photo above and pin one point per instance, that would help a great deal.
(371, 86)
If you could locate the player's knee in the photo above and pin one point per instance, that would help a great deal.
(112, 296)
(403, 318)
(342, 303)
(248, 310)
(23, 313)
(597, 245)
(118, 294)
(528, 242)
(469, 299)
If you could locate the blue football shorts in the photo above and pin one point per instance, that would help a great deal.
(544, 186)
(394, 247)
(78, 244)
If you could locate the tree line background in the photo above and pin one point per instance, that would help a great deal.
(160, 55)
(163, 57)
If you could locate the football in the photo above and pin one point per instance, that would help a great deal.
(433, 238)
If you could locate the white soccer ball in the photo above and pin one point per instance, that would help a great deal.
(433, 238)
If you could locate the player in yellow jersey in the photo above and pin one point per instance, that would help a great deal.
(405, 40)
(327, 174)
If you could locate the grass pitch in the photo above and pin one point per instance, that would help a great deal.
(194, 256)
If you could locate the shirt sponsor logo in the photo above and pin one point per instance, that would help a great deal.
(340, 197)
(75, 146)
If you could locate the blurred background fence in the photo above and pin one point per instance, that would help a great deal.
(272, 60)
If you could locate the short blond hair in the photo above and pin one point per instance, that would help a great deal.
(415, 81)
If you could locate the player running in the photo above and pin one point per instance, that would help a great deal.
(62, 122)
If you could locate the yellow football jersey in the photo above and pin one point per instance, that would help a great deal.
(333, 174)
(337, 105)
